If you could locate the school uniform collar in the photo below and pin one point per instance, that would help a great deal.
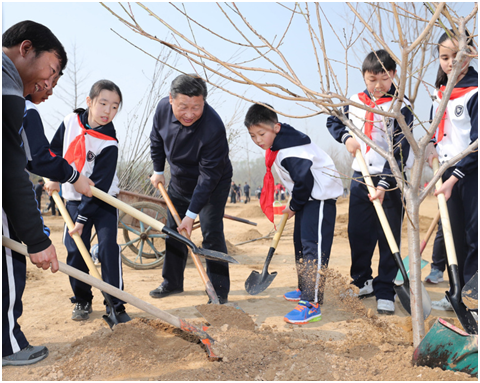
(470, 79)
(108, 129)
(289, 137)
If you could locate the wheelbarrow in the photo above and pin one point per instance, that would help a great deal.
(449, 348)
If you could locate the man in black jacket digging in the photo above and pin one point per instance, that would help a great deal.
(190, 135)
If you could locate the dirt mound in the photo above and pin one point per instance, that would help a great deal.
(247, 235)
(251, 211)
(341, 225)
(226, 316)
(232, 249)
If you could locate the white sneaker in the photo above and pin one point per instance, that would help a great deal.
(443, 305)
(367, 290)
(385, 306)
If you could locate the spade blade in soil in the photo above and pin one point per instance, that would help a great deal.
(470, 293)
(449, 348)
(256, 282)
(464, 316)
(209, 254)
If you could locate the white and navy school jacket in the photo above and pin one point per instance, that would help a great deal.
(307, 172)
(461, 126)
(382, 127)
(100, 163)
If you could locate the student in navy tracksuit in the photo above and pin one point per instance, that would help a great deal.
(364, 229)
(31, 56)
(310, 176)
(87, 140)
(454, 134)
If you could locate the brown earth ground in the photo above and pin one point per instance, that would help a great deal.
(351, 342)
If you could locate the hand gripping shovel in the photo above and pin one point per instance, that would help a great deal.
(198, 264)
(127, 209)
(464, 316)
(113, 318)
(206, 340)
(403, 290)
(256, 283)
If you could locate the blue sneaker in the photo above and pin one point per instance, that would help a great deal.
(293, 296)
(304, 313)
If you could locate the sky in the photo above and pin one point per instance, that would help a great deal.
(90, 28)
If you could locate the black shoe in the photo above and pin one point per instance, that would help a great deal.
(221, 300)
(26, 356)
(81, 311)
(161, 292)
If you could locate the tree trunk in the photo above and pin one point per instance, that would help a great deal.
(413, 226)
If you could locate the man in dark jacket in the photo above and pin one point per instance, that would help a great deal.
(190, 135)
(31, 57)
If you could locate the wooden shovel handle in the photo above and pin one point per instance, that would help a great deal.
(278, 234)
(429, 232)
(76, 237)
(376, 203)
(196, 260)
(446, 226)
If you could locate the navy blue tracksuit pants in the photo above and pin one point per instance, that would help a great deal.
(105, 221)
(365, 231)
(312, 239)
(14, 277)
(211, 220)
(463, 213)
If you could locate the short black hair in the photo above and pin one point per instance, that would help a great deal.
(259, 114)
(190, 85)
(378, 62)
(42, 38)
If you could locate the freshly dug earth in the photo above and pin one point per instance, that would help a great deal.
(351, 342)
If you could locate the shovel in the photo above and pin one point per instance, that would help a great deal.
(198, 264)
(464, 316)
(256, 282)
(127, 209)
(403, 290)
(113, 318)
(449, 348)
(129, 298)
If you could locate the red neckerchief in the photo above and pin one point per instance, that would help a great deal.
(369, 115)
(456, 93)
(76, 151)
(267, 196)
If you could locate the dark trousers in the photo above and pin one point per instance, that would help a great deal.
(211, 220)
(14, 276)
(439, 254)
(312, 239)
(105, 221)
(463, 213)
(365, 231)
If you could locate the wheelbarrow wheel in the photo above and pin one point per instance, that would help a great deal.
(144, 246)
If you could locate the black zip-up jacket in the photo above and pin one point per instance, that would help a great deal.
(197, 154)
(18, 200)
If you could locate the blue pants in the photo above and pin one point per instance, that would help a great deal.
(14, 277)
(105, 221)
(312, 239)
(211, 220)
(365, 231)
(463, 212)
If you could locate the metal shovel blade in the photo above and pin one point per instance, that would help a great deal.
(449, 348)
(464, 316)
(256, 282)
(113, 318)
(209, 254)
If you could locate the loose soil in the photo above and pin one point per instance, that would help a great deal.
(351, 342)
